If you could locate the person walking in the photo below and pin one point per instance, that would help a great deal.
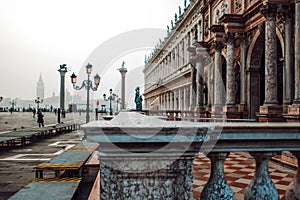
(40, 119)
(33, 112)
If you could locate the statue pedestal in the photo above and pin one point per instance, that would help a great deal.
(144, 157)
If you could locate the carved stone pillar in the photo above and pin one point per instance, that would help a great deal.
(217, 186)
(270, 111)
(230, 109)
(287, 72)
(242, 108)
(218, 82)
(293, 191)
(261, 186)
(294, 110)
(199, 80)
(185, 98)
(192, 57)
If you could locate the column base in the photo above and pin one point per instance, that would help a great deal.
(231, 112)
(270, 113)
(199, 112)
(243, 110)
(216, 111)
(208, 111)
(293, 114)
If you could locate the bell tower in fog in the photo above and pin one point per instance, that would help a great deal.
(40, 88)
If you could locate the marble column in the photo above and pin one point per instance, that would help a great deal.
(218, 82)
(287, 72)
(230, 108)
(294, 110)
(192, 59)
(297, 52)
(293, 190)
(217, 187)
(261, 186)
(243, 80)
(185, 98)
(179, 99)
(270, 111)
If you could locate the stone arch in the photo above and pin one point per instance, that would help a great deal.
(256, 71)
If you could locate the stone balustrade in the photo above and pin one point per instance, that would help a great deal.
(142, 157)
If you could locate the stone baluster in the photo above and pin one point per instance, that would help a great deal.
(293, 191)
(261, 186)
(217, 186)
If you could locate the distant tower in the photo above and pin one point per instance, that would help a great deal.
(40, 89)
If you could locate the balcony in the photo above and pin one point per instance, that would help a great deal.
(142, 156)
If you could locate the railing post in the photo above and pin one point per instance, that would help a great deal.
(261, 186)
(217, 186)
(293, 190)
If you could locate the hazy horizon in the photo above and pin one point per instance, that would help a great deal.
(38, 36)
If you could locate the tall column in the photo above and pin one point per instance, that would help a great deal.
(192, 59)
(230, 109)
(201, 51)
(243, 80)
(123, 71)
(297, 52)
(63, 70)
(179, 99)
(184, 98)
(218, 82)
(270, 111)
(287, 72)
(294, 110)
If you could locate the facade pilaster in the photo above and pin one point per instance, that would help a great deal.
(270, 111)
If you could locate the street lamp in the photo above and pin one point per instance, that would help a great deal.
(118, 100)
(38, 101)
(1, 98)
(111, 98)
(88, 85)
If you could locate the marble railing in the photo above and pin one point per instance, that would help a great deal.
(147, 158)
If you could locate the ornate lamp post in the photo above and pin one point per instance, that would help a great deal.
(118, 100)
(88, 85)
(38, 101)
(110, 99)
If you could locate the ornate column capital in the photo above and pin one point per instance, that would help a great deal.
(218, 45)
(268, 10)
(230, 38)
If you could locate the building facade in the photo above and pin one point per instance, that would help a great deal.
(229, 59)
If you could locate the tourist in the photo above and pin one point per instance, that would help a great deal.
(34, 112)
(40, 118)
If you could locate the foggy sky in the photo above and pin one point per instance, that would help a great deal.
(37, 36)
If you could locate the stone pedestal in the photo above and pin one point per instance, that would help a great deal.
(142, 157)
(243, 110)
(270, 113)
(293, 114)
(200, 112)
(231, 112)
(217, 111)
